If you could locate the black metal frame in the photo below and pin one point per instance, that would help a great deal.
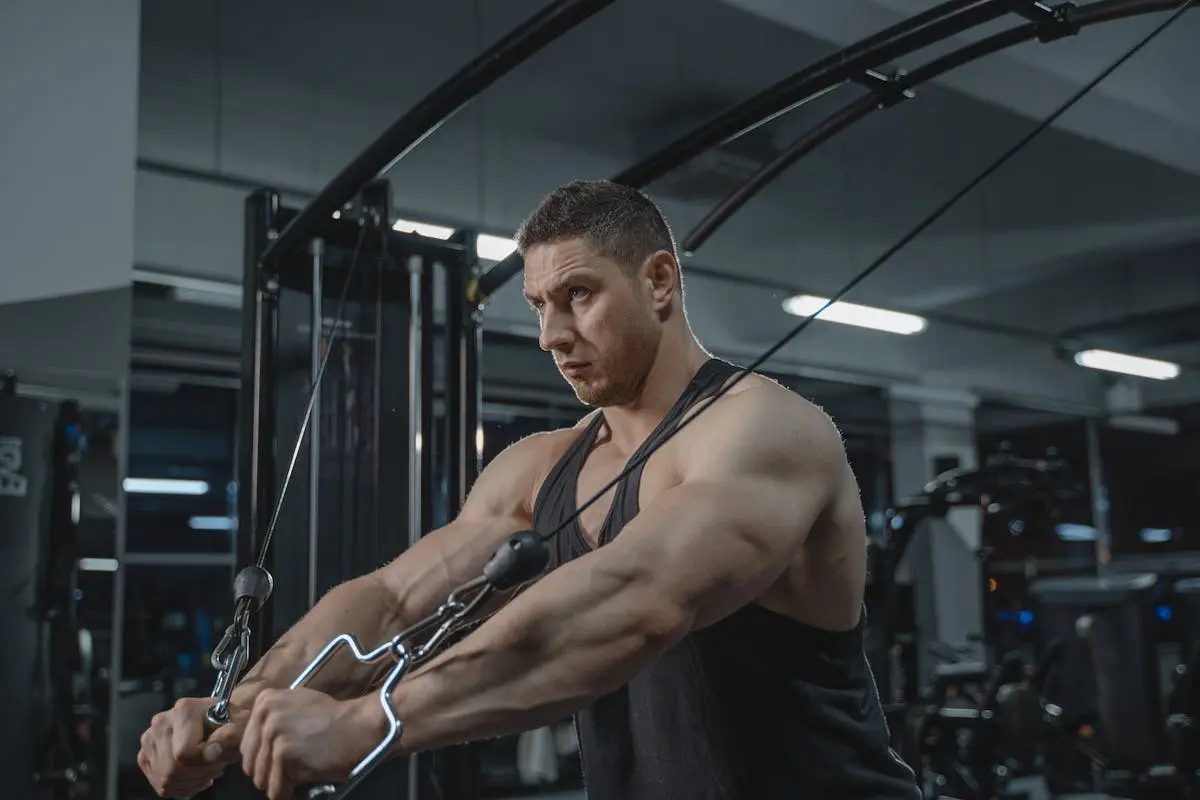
(274, 233)
(430, 113)
(861, 64)
(261, 443)
(409, 269)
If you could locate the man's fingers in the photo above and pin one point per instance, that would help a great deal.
(249, 745)
(279, 788)
(144, 763)
(222, 746)
(262, 763)
(187, 788)
(187, 734)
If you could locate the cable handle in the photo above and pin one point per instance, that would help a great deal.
(520, 559)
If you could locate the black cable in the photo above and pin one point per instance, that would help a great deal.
(312, 397)
(876, 264)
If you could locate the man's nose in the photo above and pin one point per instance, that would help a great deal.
(556, 332)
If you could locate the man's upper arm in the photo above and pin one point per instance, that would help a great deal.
(754, 483)
(498, 505)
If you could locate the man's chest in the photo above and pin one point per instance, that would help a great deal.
(598, 479)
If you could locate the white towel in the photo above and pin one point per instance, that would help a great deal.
(537, 759)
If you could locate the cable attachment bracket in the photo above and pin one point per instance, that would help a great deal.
(519, 560)
(251, 588)
(892, 90)
(1053, 22)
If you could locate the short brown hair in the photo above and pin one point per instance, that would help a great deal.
(618, 221)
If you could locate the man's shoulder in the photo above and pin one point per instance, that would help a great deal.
(762, 419)
(519, 469)
(759, 403)
(546, 445)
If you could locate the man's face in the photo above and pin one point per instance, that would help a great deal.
(597, 321)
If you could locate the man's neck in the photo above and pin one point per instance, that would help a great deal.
(674, 367)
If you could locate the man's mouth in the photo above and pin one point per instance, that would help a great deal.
(573, 368)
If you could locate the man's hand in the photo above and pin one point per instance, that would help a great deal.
(175, 757)
(301, 736)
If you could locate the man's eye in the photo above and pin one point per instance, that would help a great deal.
(579, 293)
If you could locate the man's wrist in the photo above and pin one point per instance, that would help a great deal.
(366, 713)
(244, 693)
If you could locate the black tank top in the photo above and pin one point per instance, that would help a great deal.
(755, 707)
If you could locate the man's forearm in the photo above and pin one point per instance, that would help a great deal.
(570, 638)
(363, 607)
(374, 608)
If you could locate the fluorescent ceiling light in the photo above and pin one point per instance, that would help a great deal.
(1155, 535)
(218, 299)
(1162, 426)
(423, 229)
(164, 486)
(98, 565)
(1137, 366)
(879, 319)
(184, 282)
(212, 523)
(1074, 532)
(494, 248)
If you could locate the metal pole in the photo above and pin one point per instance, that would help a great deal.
(115, 665)
(417, 443)
(256, 414)
(317, 249)
(472, 402)
(416, 267)
(460, 764)
(1099, 492)
(455, 440)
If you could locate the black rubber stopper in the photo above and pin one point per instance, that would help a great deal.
(255, 583)
(520, 559)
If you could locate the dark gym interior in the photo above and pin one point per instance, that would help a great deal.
(261, 305)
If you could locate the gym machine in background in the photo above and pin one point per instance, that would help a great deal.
(906, 605)
(53, 739)
(1083, 710)
(967, 723)
(378, 467)
(1117, 731)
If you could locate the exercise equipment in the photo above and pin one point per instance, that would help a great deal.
(519, 560)
(978, 729)
(50, 728)
(969, 728)
(1108, 688)
(1183, 733)
(1005, 483)
(1047, 24)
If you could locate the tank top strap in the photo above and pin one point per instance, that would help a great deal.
(555, 499)
(707, 381)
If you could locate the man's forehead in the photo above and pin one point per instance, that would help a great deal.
(548, 266)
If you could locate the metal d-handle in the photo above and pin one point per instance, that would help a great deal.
(519, 559)
(394, 648)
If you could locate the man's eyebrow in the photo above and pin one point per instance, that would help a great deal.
(562, 281)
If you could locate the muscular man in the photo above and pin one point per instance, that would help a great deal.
(703, 622)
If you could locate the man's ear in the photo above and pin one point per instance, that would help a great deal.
(661, 274)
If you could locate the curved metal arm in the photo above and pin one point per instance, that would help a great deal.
(518, 560)
(395, 727)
